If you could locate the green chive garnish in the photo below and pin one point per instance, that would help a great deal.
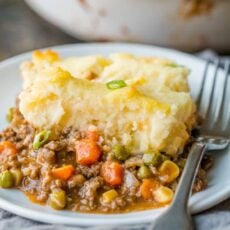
(174, 65)
(41, 138)
(116, 84)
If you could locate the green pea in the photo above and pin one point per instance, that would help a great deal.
(163, 158)
(17, 174)
(120, 152)
(9, 115)
(57, 199)
(152, 158)
(41, 138)
(181, 162)
(144, 172)
(6, 179)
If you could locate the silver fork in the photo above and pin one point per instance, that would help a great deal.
(214, 135)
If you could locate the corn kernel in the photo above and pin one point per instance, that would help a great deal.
(169, 171)
(110, 195)
(163, 195)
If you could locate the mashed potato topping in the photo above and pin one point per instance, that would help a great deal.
(154, 111)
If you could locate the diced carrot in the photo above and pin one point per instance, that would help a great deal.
(112, 173)
(92, 135)
(87, 152)
(7, 148)
(63, 173)
(147, 188)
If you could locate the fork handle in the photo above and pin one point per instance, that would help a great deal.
(178, 215)
(188, 175)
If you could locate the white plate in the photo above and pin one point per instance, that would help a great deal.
(15, 202)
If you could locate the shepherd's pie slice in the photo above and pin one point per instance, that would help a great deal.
(153, 112)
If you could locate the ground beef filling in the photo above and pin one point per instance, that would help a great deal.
(85, 189)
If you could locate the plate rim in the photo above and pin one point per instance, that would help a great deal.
(69, 220)
(23, 55)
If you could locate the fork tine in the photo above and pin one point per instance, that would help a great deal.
(198, 101)
(208, 108)
(227, 99)
(219, 109)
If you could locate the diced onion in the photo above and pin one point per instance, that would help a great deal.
(130, 180)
